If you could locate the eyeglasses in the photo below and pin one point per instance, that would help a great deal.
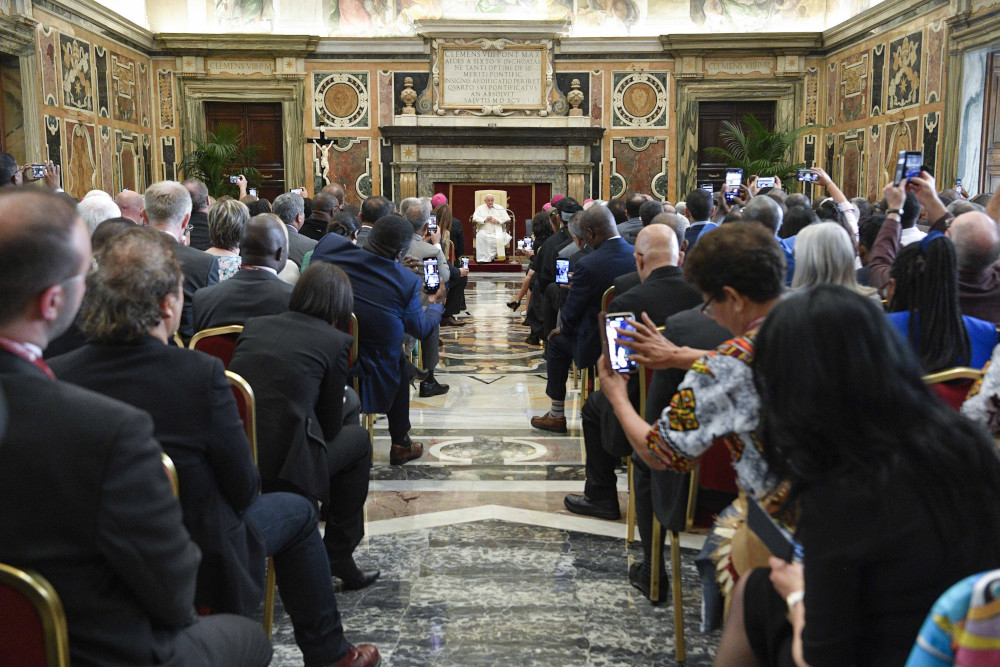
(81, 276)
(706, 308)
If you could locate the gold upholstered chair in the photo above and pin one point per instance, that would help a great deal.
(500, 199)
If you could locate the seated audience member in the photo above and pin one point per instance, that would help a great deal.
(629, 229)
(698, 209)
(492, 237)
(740, 272)
(372, 209)
(259, 206)
(888, 518)
(648, 211)
(824, 254)
(256, 288)
(544, 261)
(766, 211)
(541, 230)
(84, 500)
(578, 337)
(198, 191)
(226, 223)
(346, 225)
(337, 190)
(167, 207)
(131, 311)
(95, 210)
(795, 220)
(868, 230)
(290, 207)
(863, 206)
(619, 209)
(324, 205)
(130, 204)
(977, 247)
(387, 304)
(982, 405)
(296, 363)
(923, 305)
(837, 207)
(662, 293)
(451, 227)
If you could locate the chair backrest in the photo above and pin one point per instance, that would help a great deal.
(178, 341)
(499, 197)
(171, 470)
(32, 621)
(218, 341)
(247, 405)
(353, 330)
(952, 384)
(609, 294)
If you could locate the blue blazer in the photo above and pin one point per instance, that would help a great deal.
(387, 304)
(592, 276)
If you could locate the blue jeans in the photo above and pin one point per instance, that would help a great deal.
(287, 523)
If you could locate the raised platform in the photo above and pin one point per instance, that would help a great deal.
(497, 267)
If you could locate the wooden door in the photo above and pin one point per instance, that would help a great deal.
(260, 124)
(524, 199)
(989, 173)
(711, 115)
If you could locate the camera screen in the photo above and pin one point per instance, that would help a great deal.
(733, 178)
(252, 192)
(913, 163)
(234, 179)
(808, 175)
(765, 182)
(432, 279)
(618, 354)
(562, 271)
(708, 187)
(38, 171)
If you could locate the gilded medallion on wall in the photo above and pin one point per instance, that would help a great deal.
(640, 99)
(340, 99)
(77, 73)
(904, 71)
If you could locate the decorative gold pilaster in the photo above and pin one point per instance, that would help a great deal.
(407, 183)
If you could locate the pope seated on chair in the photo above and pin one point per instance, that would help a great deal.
(491, 238)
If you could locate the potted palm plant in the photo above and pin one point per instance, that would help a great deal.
(221, 155)
(759, 151)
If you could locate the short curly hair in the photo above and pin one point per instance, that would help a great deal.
(226, 222)
(744, 256)
(136, 270)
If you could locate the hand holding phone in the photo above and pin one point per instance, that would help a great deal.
(618, 355)
(234, 179)
(252, 192)
(297, 191)
(908, 164)
(432, 278)
(562, 271)
(765, 182)
(808, 176)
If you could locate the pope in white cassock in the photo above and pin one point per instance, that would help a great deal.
(491, 239)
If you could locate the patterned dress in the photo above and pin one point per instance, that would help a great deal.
(228, 266)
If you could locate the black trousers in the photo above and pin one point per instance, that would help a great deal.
(455, 302)
(399, 412)
(602, 483)
(349, 460)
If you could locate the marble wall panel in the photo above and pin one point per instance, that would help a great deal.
(854, 88)
(874, 154)
(76, 73)
(902, 135)
(828, 154)
(347, 161)
(48, 63)
(878, 80)
(13, 110)
(811, 115)
(107, 153)
(904, 71)
(127, 165)
(101, 70)
(53, 138)
(640, 99)
(168, 153)
(973, 97)
(853, 176)
(832, 92)
(124, 88)
(385, 159)
(639, 164)
(81, 171)
(143, 94)
(340, 99)
(165, 98)
(597, 98)
(932, 132)
(564, 82)
(387, 105)
(809, 145)
(936, 57)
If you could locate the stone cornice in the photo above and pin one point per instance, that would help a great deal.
(588, 46)
(382, 47)
(757, 44)
(16, 33)
(967, 31)
(480, 28)
(102, 20)
(250, 46)
(883, 16)
(492, 136)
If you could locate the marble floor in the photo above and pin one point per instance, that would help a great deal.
(481, 563)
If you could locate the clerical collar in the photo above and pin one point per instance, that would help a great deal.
(251, 267)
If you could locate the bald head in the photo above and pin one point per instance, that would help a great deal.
(655, 247)
(130, 204)
(325, 203)
(264, 242)
(977, 241)
(678, 223)
(766, 211)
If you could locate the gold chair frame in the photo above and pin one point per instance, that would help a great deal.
(250, 427)
(367, 420)
(956, 373)
(43, 597)
(214, 331)
(171, 470)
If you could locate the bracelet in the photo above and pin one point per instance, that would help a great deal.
(793, 599)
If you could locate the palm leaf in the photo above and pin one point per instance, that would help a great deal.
(218, 156)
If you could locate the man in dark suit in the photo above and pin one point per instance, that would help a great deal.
(578, 338)
(324, 205)
(290, 207)
(168, 209)
(372, 209)
(679, 225)
(83, 496)
(699, 210)
(662, 293)
(630, 228)
(200, 239)
(386, 303)
(129, 319)
(256, 288)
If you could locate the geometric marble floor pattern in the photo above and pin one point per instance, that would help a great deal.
(481, 563)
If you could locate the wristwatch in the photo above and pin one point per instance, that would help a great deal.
(898, 212)
(793, 599)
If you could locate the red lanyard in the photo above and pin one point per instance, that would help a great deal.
(22, 350)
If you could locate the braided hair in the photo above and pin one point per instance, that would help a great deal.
(926, 285)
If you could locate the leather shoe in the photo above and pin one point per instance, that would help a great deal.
(514, 305)
(532, 340)
(602, 509)
(400, 454)
(353, 577)
(639, 575)
(363, 655)
(430, 388)
(450, 321)
(547, 422)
